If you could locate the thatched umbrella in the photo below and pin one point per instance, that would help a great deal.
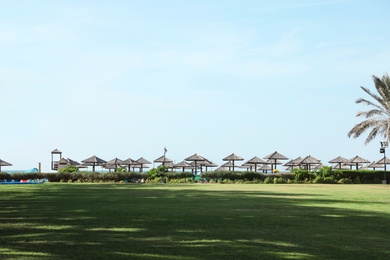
(142, 161)
(383, 161)
(339, 161)
(308, 161)
(227, 165)
(275, 156)
(207, 164)
(265, 168)
(182, 164)
(232, 158)
(94, 161)
(195, 158)
(63, 162)
(375, 165)
(4, 163)
(293, 163)
(246, 166)
(255, 160)
(271, 162)
(358, 160)
(113, 164)
(163, 159)
(138, 166)
(129, 162)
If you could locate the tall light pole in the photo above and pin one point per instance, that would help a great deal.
(384, 145)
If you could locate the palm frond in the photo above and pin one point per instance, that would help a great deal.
(378, 118)
(371, 113)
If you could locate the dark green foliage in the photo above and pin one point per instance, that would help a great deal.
(244, 177)
(68, 168)
(301, 175)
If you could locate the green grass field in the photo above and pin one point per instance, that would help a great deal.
(194, 221)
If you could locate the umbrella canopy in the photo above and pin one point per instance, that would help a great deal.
(208, 164)
(69, 162)
(113, 164)
(275, 156)
(308, 161)
(246, 166)
(93, 161)
(358, 160)
(142, 161)
(255, 160)
(339, 161)
(4, 163)
(265, 168)
(293, 163)
(383, 161)
(182, 164)
(228, 164)
(129, 162)
(375, 165)
(232, 158)
(163, 159)
(196, 158)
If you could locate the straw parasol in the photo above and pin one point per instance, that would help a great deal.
(293, 163)
(113, 164)
(375, 165)
(129, 162)
(275, 156)
(232, 158)
(4, 163)
(142, 161)
(358, 160)
(195, 158)
(94, 161)
(207, 164)
(308, 161)
(163, 159)
(227, 165)
(70, 162)
(182, 164)
(265, 168)
(339, 161)
(255, 160)
(246, 166)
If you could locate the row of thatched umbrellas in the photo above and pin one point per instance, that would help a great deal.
(196, 161)
(193, 162)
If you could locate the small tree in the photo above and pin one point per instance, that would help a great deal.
(68, 169)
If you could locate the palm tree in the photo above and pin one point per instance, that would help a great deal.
(378, 118)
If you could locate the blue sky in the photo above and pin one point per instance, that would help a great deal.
(128, 78)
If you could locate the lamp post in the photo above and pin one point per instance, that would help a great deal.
(384, 145)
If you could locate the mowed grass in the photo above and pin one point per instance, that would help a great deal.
(194, 221)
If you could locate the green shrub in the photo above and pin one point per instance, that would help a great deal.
(279, 180)
(69, 169)
(268, 180)
(302, 175)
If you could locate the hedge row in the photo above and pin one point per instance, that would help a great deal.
(244, 176)
(323, 175)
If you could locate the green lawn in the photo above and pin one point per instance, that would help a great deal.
(194, 221)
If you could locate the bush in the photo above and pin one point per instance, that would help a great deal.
(302, 175)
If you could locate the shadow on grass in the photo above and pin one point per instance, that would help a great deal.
(156, 222)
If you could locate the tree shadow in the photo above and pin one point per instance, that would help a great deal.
(144, 222)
